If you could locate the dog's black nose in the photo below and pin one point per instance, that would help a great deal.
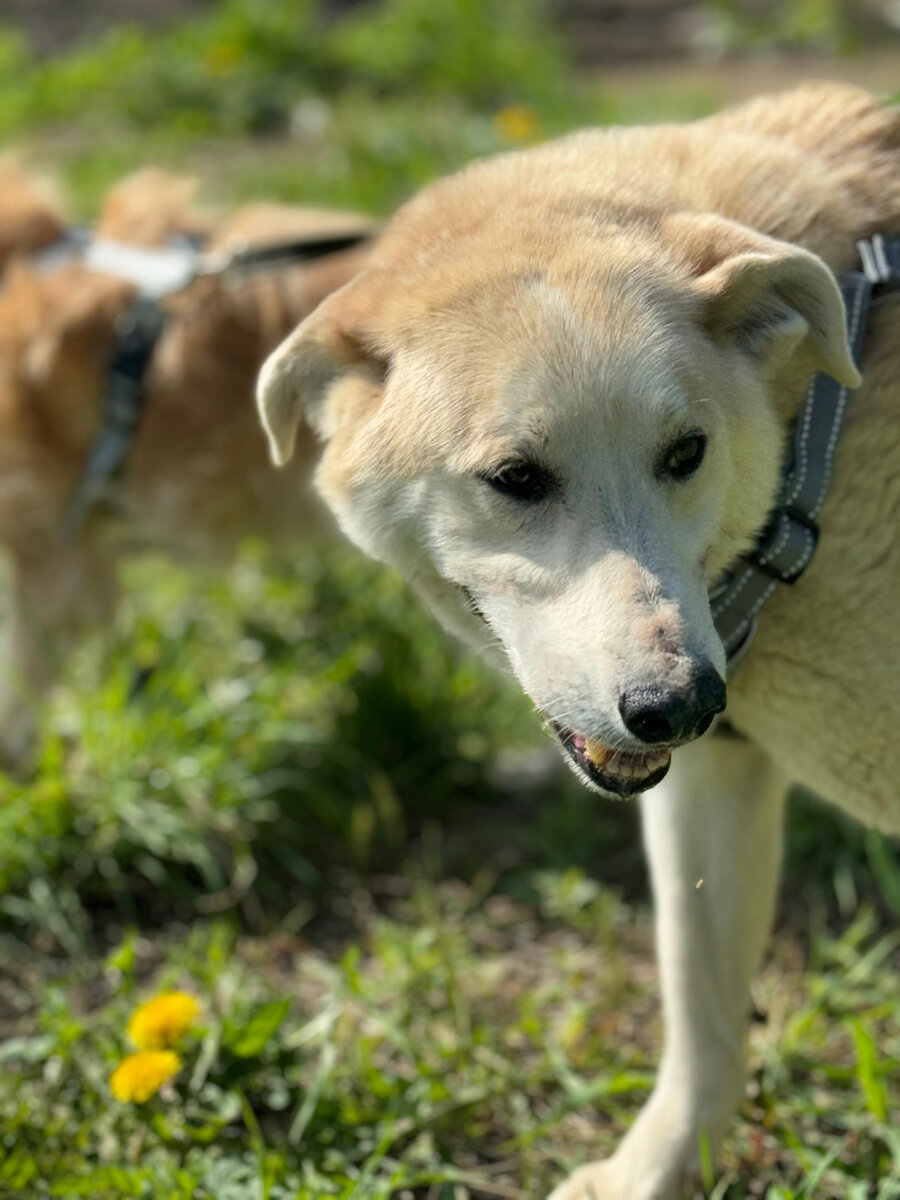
(657, 713)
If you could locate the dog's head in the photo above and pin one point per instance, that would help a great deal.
(561, 429)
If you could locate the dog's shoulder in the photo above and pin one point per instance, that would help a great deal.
(834, 131)
(816, 166)
(833, 120)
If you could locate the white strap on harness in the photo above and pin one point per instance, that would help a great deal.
(158, 272)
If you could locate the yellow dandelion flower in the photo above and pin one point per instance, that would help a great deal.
(516, 123)
(161, 1023)
(140, 1076)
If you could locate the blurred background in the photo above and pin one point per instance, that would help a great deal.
(314, 794)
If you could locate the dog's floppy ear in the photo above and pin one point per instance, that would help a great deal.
(29, 213)
(295, 380)
(773, 298)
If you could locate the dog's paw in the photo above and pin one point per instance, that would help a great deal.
(612, 1180)
(595, 1181)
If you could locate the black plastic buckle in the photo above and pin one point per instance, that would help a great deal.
(786, 577)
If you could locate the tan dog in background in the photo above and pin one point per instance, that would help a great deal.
(197, 477)
(558, 399)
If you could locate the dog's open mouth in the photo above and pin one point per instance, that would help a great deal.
(621, 772)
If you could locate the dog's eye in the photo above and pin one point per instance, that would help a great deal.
(683, 458)
(521, 480)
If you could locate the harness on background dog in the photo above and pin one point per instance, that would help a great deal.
(157, 272)
(788, 542)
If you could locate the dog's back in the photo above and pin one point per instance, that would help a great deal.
(196, 478)
(831, 133)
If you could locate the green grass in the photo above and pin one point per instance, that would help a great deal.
(461, 1045)
(423, 953)
(265, 97)
(286, 720)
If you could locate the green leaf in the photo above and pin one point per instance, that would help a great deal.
(28, 1049)
(867, 1070)
(707, 1171)
(250, 1038)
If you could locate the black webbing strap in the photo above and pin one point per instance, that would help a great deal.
(157, 273)
(301, 250)
(138, 331)
(788, 542)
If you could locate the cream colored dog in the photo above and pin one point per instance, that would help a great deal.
(197, 477)
(557, 399)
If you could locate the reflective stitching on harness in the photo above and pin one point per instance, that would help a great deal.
(808, 408)
(843, 396)
(806, 553)
(739, 631)
(739, 587)
(842, 405)
(822, 416)
(837, 421)
(779, 545)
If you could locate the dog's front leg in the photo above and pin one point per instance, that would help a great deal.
(713, 837)
(55, 595)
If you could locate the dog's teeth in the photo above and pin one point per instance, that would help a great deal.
(597, 752)
(636, 766)
(622, 765)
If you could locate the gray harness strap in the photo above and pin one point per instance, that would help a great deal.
(788, 542)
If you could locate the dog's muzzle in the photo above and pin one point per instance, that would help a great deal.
(659, 716)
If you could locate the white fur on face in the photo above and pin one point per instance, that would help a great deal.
(598, 587)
